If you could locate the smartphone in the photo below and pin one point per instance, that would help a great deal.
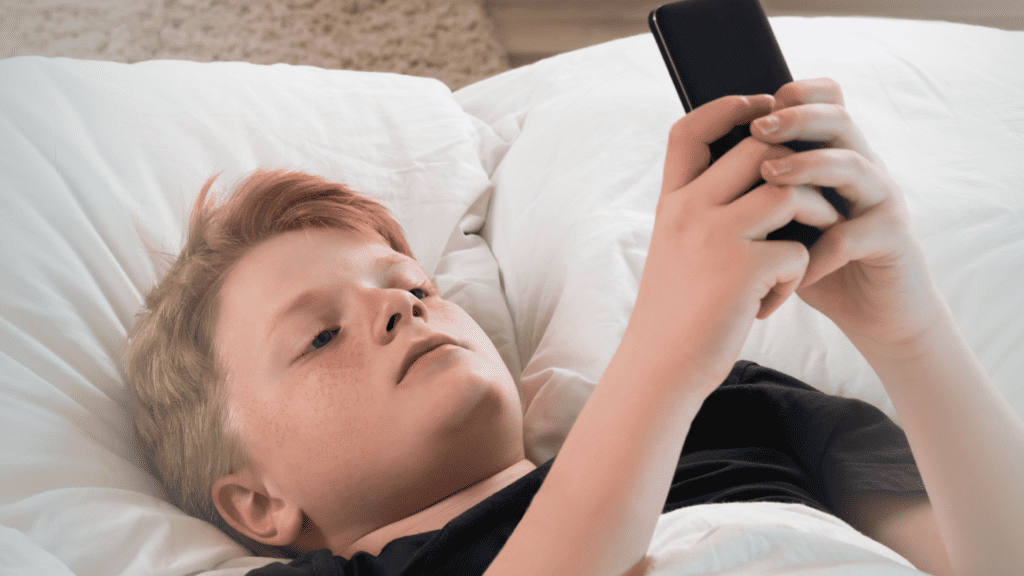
(715, 48)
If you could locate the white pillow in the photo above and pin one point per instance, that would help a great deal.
(572, 213)
(100, 158)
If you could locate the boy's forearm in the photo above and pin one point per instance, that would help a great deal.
(596, 511)
(968, 443)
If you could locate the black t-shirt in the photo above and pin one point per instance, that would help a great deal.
(761, 436)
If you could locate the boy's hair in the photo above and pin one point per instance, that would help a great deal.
(179, 403)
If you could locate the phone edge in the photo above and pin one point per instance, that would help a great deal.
(659, 39)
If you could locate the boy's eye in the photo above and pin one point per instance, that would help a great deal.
(418, 293)
(321, 340)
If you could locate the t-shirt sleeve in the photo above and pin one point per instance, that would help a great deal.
(845, 446)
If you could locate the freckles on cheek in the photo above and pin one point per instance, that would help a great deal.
(340, 409)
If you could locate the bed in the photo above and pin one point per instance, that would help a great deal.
(529, 196)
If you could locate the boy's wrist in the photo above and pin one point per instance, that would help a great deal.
(932, 339)
(909, 335)
(689, 365)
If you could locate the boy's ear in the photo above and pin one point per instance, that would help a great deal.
(256, 512)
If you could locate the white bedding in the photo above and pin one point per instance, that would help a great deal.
(766, 539)
(556, 165)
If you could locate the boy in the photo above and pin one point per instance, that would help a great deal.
(320, 398)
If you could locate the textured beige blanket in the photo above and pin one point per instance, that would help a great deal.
(452, 40)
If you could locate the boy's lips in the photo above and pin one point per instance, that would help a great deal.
(422, 347)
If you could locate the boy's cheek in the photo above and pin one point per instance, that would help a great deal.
(461, 323)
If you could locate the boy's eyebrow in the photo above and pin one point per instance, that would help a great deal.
(301, 301)
(393, 260)
(382, 265)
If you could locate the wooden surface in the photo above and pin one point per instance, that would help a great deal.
(535, 29)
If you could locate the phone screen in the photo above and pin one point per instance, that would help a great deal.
(721, 47)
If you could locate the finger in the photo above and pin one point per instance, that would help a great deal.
(788, 261)
(858, 239)
(775, 298)
(812, 91)
(770, 207)
(688, 154)
(812, 123)
(736, 171)
(851, 174)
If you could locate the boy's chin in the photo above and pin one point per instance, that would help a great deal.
(474, 405)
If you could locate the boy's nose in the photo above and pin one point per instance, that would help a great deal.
(400, 308)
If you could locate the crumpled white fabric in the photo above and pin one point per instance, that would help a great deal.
(766, 539)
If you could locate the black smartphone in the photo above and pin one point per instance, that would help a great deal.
(715, 48)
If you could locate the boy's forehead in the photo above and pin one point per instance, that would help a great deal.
(280, 263)
(296, 246)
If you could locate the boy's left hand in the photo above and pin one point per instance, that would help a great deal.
(868, 273)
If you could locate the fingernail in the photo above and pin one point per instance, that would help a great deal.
(768, 124)
(780, 166)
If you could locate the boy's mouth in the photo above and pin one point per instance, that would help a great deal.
(420, 348)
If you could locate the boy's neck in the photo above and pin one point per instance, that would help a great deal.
(435, 516)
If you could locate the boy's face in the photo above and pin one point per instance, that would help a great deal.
(359, 393)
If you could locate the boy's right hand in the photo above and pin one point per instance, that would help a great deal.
(709, 270)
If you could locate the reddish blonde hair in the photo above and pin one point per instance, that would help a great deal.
(178, 401)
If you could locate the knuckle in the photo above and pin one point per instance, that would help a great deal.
(792, 117)
(832, 86)
(754, 149)
(676, 207)
(801, 254)
(790, 92)
(823, 91)
(843, 115)
(776, 195)
(863, 165)
(736, 103)
(784, 195)
(894, 220)
(859, 166)
(765, 151)
(678, 130)
(733, 106)
(841, 244)
(817, 90)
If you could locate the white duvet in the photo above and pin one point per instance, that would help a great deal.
(765, 539)
(529, 195)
